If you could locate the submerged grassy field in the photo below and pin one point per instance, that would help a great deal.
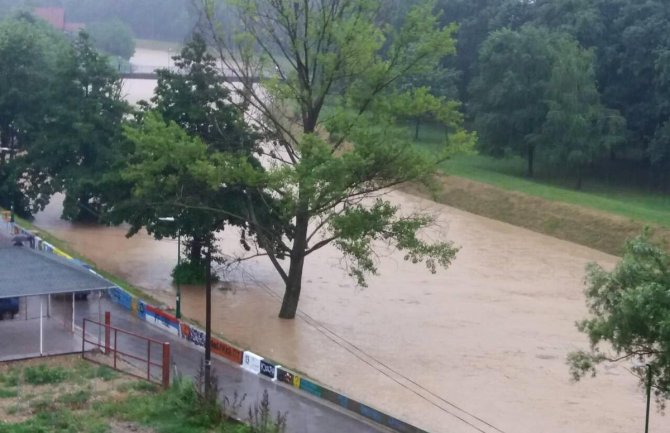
(617, 193)
(70, 395)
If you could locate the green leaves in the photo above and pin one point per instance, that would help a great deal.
(113, 37)
(328, 114)
(630, 312)
(360, 229)
(536, 93)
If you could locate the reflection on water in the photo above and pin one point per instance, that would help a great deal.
(489, 335)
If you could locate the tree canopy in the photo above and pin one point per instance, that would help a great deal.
(112, 37)
(61, 118)
(630, 314)
(191, 109)
(331, 145)
(33, 48)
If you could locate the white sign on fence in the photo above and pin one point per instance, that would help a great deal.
(251, 362)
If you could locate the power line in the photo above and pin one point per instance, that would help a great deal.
(325, 331)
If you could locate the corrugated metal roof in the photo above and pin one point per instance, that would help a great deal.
(28, 272)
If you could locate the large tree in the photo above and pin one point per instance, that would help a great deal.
(577, 130)
(536, 94)
(29, 49)
(328, 118)
(113, 36)
(509, 93)
(80, 133)
(630, 314)
(194, 96)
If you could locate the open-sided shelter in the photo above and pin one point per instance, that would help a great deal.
(26, 272)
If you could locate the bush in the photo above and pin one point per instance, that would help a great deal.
(190, 272)
(42, 375)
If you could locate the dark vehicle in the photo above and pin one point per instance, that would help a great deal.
(81, 296)
(9, 307)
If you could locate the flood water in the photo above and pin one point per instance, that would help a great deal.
(484, 341)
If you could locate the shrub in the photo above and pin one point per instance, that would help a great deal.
(190, 272)
(42, 375)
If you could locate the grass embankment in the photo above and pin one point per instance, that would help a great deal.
(607, 211)
(68, 394)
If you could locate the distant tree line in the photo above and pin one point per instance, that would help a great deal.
(577, 84)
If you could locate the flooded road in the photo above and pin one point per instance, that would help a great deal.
(482, 344)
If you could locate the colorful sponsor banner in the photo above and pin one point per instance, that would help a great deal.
(121, 297)
(310, 387)
(269, 370)
(285, 376)
(251, 362)
(161, 319)
(227, 351)
(296, 381)
(192, 334)
(372, 414)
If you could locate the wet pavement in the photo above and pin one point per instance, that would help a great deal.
(304, 414)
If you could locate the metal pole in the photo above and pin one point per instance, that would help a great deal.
(166, 365)
(178, 306)
(646, 423)
(108, 322)
(72, 325)
(208, 321)
(41, 330)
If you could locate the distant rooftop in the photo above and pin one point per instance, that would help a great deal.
(54, 16)
(28, 272)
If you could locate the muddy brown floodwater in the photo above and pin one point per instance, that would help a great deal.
(481, 343)
(478, 347)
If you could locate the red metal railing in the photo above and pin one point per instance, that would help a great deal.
(129, 348)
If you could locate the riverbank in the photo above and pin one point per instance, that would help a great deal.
(603, 231)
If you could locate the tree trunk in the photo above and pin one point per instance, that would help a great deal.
(417, 125)
(195, 251)
(289, 305)
(580, 176)
(531, 160)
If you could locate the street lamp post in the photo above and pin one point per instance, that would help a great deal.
(11, 205)
(208, 322)
(178, 297)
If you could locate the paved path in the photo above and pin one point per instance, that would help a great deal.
(305, 414)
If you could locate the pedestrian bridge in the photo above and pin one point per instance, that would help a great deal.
(148, 72)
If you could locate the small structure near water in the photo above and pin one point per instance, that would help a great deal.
(38, 289)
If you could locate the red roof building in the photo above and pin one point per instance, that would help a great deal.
(54, 16)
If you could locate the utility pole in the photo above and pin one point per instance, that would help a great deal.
(178, 306)
(646, 422)
(208, 321)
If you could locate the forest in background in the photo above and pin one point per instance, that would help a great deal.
(582, 85)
